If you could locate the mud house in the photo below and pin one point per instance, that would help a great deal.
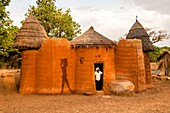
(93, 50)
(55, 66)
(164, 63)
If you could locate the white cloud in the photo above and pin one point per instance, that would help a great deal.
(161, 6)
(103, 21)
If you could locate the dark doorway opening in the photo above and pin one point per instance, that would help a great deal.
(99, 83)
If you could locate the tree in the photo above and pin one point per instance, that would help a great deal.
(7, 36)
(4, 15)
(158, 51)
(8, 33)
(155, 54)
(156, 36)
(56, 23)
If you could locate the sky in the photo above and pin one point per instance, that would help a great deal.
(111, 18)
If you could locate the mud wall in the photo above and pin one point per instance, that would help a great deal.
(148, 71)
(27, 79)
(55, 69)
(130, 63)
(52, 68)
(85, 60)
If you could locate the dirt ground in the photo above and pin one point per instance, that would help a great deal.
(155, 100)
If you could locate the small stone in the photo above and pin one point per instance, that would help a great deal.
(88, 93)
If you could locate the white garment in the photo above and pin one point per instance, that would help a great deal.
(98, 75)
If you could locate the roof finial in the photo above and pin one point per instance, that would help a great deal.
(91, 27)
(136, 18)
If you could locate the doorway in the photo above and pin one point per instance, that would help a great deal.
(99, 84)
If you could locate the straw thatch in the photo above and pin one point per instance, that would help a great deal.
(31, 34)
(91, 38)
(138, 32)
(163, 54)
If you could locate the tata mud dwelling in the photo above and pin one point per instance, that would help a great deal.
(56, 66)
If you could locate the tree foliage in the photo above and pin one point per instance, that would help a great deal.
(158, 51)
(56, 22)
(8, 32)
(4, 15)
(7, 36)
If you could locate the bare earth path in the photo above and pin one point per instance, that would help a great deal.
(152, 101)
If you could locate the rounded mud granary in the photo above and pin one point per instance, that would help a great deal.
(138, 32)
(28, 40)
(93, 50)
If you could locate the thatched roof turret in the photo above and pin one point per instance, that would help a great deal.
(138, 32)
(30, 35)
(91, 38)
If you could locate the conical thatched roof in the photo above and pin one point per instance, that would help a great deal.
(91, 38)
(138, 32)
(31, 34)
